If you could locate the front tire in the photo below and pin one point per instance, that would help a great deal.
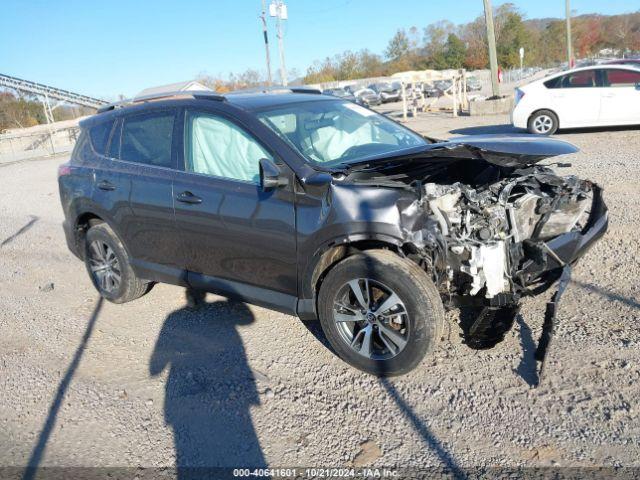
(109, 266)
(381, 313)
(543, 122)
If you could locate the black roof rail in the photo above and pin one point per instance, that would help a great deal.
(205, 94)
(311, 90)
(275, 89)
(199, 94)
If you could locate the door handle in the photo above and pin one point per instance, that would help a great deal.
(106, 185)
(188, 197)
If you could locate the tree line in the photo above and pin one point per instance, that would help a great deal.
(21, 112)
(443, 45)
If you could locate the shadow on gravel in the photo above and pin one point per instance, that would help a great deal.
(528, 367)
(450, 464)
(503, 129)
(210, 387)
(43, 438)
(26, 227)
(632, 302)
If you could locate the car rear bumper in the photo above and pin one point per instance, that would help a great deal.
(519, 117)
(70, 237)
(390, 97)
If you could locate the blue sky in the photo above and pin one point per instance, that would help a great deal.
(104, 48)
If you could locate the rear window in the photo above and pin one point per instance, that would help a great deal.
(583, 79)
(81, 148)
(100, 136)
(147, 138)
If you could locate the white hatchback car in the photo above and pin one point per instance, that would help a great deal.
(602, 95)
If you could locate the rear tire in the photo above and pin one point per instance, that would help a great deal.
(543, 122)
(407, 312)
(109, 266)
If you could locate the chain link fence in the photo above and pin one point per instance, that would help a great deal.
(20, 146)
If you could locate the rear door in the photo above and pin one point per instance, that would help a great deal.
(111, 184)
(144, 150)
(620, 97)
(575, 97)
(237, 238)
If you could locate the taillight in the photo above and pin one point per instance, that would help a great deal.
(519, 95)
(64, 170)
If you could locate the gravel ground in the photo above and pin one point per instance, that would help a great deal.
(150, 383)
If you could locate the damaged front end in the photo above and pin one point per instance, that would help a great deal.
(490, 224)
(497, 235)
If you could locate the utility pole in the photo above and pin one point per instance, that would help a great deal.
(491, 40)
(569, 43)
(266, 40)
(279, 10)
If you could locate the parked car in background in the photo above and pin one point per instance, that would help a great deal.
(386, 91)
(473, 84)
(443, 85)
(602, 95)
(340, 93)
(429, 90)
(632, 62)
(314, 206)
(367, 97)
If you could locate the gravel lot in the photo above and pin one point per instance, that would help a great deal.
(149, 383)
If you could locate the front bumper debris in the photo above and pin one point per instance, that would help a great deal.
(565, 249)
(548, 326)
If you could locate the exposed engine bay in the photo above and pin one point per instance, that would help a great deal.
(490, 229)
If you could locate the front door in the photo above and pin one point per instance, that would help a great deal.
(576, 99)
(236, 238)
(620, 97)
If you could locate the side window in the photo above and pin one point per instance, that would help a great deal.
(554, 82)
(621, 78)
(82, 148)
(147, 138)
(114, 146)
(584, 79)
(100, 136)
(215, 146)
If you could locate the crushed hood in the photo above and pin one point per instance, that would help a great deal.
(511, 151)
(517, 151)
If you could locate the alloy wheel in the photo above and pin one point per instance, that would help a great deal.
(104, 266)
(371, 318)
(543, 124)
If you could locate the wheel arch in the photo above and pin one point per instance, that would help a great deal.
(332, 254)
(545, 109)
(86, 219)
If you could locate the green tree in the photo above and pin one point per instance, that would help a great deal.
(398, 46)
(511, 34)
(455, 52)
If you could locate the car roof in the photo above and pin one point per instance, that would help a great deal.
(584, 69)
(257, 101)
(245, 100)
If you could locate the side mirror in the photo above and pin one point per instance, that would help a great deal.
(270, 175)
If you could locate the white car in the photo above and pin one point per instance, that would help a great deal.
(602, 95)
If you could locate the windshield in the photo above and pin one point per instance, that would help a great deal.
(336, 132)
